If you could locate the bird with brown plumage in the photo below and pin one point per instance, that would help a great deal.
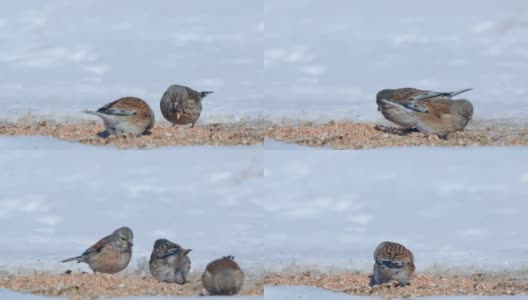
(110, 254)
(125, 115)
(397, 114)
(223, 277)
(393, 262)
(182, 105)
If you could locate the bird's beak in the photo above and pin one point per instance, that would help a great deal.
(131, 244)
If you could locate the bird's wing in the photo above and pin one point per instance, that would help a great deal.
(430, 94)
(168, 252)
(393, 264)
(410, 106)
(120, 107)
(97, 247)
(404, 94)
(436, 107)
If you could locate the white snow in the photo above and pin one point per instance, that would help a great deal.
(62, 57)
(40, 143)
(311, 293)
(297, 59)
(54, 204)
(456, 209)
(51, 143)
(326, 61)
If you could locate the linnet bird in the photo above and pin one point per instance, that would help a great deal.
(398, 115)
(223, 277)
(169, 262)
(392, 261)
(182, 105)
(110, 254)
(435, 116)
(125, 115)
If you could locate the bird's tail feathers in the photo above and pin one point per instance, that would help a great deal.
(77, 259)
(91, 112)
(453, 94)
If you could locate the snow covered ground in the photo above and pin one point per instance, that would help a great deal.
(62, 57)
(280, 210)
(54, 204)
(41, 143)
(299, 59)
(456, 209)
(274, 210)
(326, 60)
(6, 294)
(311, 293)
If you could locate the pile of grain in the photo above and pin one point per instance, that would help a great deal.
(82, 286)
(337, 135)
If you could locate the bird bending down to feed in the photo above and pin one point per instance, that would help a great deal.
(182, 105)
(435, 116)
(223, 277)
(125, 115)
(392, 261)
(400, 116)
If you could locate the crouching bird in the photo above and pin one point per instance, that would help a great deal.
(398, 114)
(109, 255)
(393, 262)
(169, 262)
(223, 277)
(182, 105)
(125, 115)
(435, 116)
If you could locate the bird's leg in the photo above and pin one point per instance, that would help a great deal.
(192, 125)
(103, 134)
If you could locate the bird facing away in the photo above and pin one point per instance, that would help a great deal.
(169, 262)
(435, 116)
(223, 277)
(393, 262)
(182, 105)
(109, 255)
(128, 114)
(399, 116)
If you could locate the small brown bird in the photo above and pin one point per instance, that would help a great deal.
(435, 116)
(169, 262)
(393, 262)
(109, 255)
(398, 115)
(182, 105)
(128, 114)
(223, 277)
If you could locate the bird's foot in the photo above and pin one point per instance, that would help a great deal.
(103, 134)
